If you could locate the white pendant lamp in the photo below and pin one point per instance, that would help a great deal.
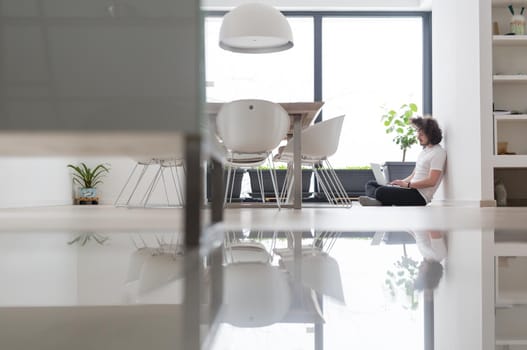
(255, 28)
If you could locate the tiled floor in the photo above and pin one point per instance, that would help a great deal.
(42, 271)
(80, 218)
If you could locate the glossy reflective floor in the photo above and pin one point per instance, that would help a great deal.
(310, 288)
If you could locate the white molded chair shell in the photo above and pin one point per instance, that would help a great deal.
(320, 140)
(255, 294)
(320, 272)
(252, 126)
(247, 252)
(160, 270)
(137, 260)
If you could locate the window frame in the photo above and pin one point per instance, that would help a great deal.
(318, 16)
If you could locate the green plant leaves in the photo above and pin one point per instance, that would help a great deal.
(398, 122)
(87, 177)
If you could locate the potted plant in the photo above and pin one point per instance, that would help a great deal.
(88, 178)
(354, 179)
(398, 122)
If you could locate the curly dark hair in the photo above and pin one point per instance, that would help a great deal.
(429, 275)
(429, 127)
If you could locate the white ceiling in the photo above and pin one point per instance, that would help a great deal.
(321, 5)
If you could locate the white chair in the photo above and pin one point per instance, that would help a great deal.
(319, 270)
(243, 249)
(250, 130)
(139, 192)
(319, 142)
(255, 294)
(154, 271)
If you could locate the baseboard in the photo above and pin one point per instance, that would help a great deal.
(43, 203)
(464, 203)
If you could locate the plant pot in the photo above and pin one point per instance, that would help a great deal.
(398, 170)
(236, 176)
(88, 192)
(353, 181)
(280, 175)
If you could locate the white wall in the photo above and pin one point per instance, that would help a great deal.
(34, 182)
(461, 94)
(31, 182)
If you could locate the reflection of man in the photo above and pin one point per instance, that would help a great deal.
(431, 245)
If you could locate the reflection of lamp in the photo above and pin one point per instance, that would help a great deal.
(255, 28)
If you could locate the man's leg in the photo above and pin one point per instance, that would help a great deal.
(393, 195)
(370, 188)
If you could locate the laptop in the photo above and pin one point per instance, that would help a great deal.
(378, 173)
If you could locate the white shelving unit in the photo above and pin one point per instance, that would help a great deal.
(510, 78)
(511, 292)
(509, 65)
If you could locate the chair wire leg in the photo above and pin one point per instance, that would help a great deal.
(339, 185)
(274, 180)
(284, 194)
(165, 185)
(125, 184)
(260, 183)
(323, 185)
(143, 172)
(331, 184)
(153, 185)
(232, 184)
(175, 182)
(182, 183)
(229, 168)
(333, 188)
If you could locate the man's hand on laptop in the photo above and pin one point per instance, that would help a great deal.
(399, 183)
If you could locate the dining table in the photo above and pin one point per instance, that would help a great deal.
(302, 115)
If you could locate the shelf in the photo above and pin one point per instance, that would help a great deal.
(505, 3)
(509, 40)
(511, 299)
(510, 117)
(510, 161)
(511, 341)
(510, 78)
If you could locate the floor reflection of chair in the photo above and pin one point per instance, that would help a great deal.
(155, 273)
(142, 184)
(255, 294)
(250, 130)
(258, 293)
(319, 142)
(242, 249)
(318, 269)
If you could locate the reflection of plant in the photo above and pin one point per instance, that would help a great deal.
(402, 278)
(87, 177)
(84, 238)
(398, 122)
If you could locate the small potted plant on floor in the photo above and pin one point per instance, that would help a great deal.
(398, 122)
(88, 178)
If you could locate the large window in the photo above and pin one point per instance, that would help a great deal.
(369, 64)
(280, 77)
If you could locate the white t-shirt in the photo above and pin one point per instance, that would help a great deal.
(430, 158)
(430, 248)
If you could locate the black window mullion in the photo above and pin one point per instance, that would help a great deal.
(318, 62)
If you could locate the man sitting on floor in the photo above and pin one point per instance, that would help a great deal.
(419, 187)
